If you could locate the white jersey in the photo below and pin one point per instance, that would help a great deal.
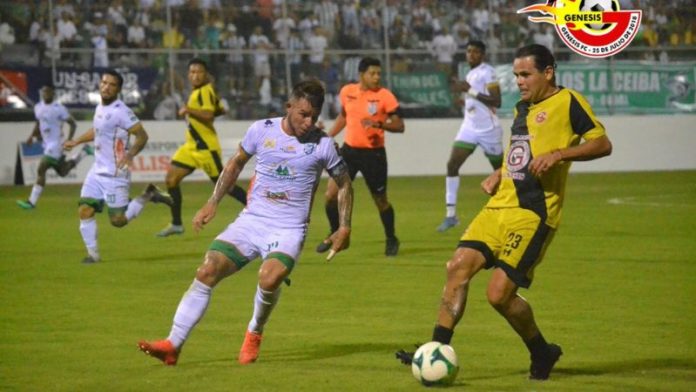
(287, 172)
(51, 117)
(477, 116)
(111, 137)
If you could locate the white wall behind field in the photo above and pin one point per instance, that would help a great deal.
(641, 143)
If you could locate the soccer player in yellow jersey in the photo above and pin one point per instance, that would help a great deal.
(202, 148)
(513, 230)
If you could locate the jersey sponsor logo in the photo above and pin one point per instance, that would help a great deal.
(269, 143)
(518, 156)
(540, 117)
(288, 149)
(268, 124)
(276, 196)
(592, 28)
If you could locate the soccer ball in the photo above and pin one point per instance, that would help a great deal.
(435, 363)
(598, 6)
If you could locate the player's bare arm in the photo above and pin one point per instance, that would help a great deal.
(490, 184)
(340, 240)
(228, 177)
(140, 140)
(35, 134)
(84, 138)
(73, 126)
(339, 124)
(587, 151)
(393, 124)
(492, 99)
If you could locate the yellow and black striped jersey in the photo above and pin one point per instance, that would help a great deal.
(557, 122)
(201, 133)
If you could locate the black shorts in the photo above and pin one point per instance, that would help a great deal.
(371, 162)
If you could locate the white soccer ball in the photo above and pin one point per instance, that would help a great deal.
(435, 363)
(599, 6)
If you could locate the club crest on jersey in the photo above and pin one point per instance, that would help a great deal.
(309, 148)
(540, 117)
(372, 108)
(518, 156)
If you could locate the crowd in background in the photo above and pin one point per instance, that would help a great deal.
(243, 40)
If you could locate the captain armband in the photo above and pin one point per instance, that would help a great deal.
(338, 170)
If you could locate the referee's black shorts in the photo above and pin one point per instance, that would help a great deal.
(371, 162)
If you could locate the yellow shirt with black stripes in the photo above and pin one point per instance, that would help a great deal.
(557, 122)
(202, 133)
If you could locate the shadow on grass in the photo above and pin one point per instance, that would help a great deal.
(630, 366)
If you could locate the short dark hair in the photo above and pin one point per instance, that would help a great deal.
(115, 74)
(198, 60)
(48, 85)
(312, 90)
(542, 56)
(477, 44)
(368, 62)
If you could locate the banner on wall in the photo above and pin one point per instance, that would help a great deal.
(150, 165)
(422, 89)
(79, 88)
(622, 88)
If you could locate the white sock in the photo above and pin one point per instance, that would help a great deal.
(191, 309)
(77, 157)
(264, 302)
(88, 229)
(35, 193)
(451, 189)
(135, 207)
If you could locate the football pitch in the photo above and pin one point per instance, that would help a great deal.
(617, 290)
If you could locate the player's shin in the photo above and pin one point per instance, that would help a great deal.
(191, 309)
(264, 302)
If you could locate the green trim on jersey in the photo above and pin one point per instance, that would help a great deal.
(97, 204)
(495, 160)
(465, 145)
(287, 261)
(230, 251)
(113, 211)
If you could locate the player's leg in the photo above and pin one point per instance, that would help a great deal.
(279, 260)
(374, 168)
(228, 253)
(461, 150)
(176, 173)
(526, 241)
(91, 202)
(492, 145)
(37, 188)
(216, 266)
(213, 168)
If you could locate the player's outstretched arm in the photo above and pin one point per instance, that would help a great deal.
(587, 151)
(338, 125)
(491, 183)
(35, 133)
(140, 142)
(73, 126)
(228, 177)
(84, 138)
(340, 239)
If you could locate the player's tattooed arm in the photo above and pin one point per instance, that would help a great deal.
(230, 174)
(345, 195)
(140, 139)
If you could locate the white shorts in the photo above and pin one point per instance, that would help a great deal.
(491, 140)
(252, 238)
(112, 190)
(53, 149)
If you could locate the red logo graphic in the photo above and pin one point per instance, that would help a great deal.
(592, 28)
(540, 118)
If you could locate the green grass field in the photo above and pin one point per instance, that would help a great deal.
(617, 290)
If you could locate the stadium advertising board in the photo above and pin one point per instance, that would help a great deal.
(619, 87)
(422, 89)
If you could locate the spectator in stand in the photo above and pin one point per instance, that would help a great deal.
(172, 38)
(371, 27)
(235, 43)
(306, 26)
(443, 47)
(327, 12)
(349, 17)
(101, 49)
(295, 45)
(545, 36)
(7, 34)
(190, 19)
(136, 35)
(317, 45)
(282, 27)
(67, 34)
(262, 63)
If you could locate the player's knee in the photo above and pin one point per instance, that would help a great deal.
(119, 220)
(497, 297)
(85, 211)
(171, 182)
(215, 267)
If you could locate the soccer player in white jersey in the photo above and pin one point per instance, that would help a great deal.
(50, 117)
(290, 156)
(108, 181)
(480, 127)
